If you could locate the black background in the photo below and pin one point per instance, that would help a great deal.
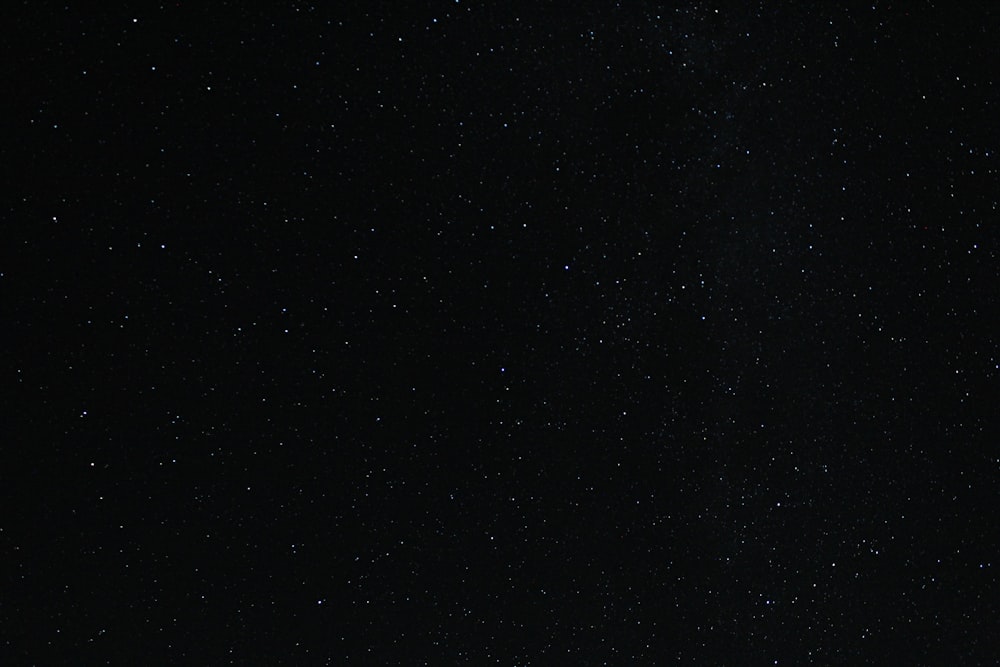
(465, 333)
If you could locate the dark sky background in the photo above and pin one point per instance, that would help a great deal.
(590, 333)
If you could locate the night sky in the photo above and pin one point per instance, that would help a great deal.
(460, 333)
